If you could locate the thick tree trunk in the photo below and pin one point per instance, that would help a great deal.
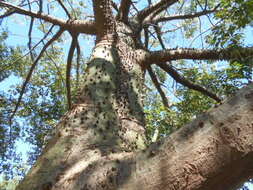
(106, 120)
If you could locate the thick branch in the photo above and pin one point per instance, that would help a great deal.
(28, 77)
(105, 23)
(158, 86)
(195, 54)
(182, 80)
(124, 10)
(87, 27)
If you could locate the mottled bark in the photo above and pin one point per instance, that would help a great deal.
(106, 120)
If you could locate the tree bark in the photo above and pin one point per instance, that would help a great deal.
(106, 120)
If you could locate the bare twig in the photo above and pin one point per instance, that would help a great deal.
(146, 37)
(40, 6)
(70, 4)
(158, 33)
(57, 68)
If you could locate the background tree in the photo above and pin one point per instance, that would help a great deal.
(105, 121)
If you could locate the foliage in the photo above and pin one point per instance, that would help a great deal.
(235, 15)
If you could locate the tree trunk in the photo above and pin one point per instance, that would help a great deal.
(100, 143)
(107, 119)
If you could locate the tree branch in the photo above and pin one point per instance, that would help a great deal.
(161, 5)
(78, 57)
(124, 10)
(182, 80)
(146, 37)
(40, 6)
(64, 8)
(34, 46)
(187, 16)
(194, 54)
(158, 87)
(158, 33)
(7, 13)
(68, 68)
(28, 77)
(104, 19)
(30, 34)
(82, 26)
(115, 6)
